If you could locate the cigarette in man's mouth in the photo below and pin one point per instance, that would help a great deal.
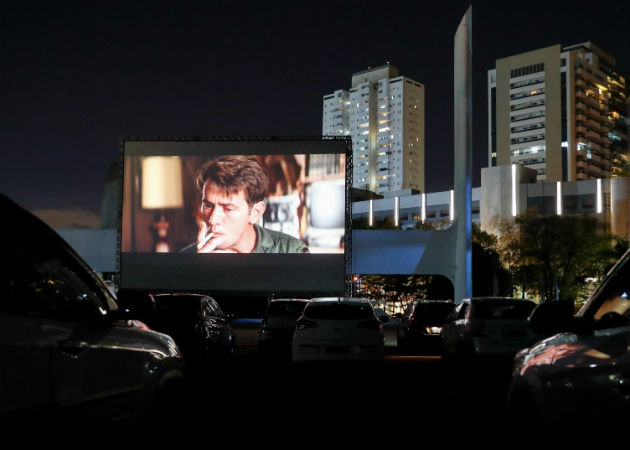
(205, 240)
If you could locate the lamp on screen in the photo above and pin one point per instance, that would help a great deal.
(162, 189)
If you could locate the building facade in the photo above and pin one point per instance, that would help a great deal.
(562, 112)
(383, 113)
(505, 192)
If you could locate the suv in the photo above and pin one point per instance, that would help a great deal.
(278, 323)
(197, 324)
(421, 324)
(70, 360)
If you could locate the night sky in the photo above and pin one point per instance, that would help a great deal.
(76, 76)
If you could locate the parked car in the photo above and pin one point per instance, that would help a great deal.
(421, 324)
(278, 323)
(582, 374)
(338, 328)
(390, 327)
(197, 324)
(488, 327)
(70, 359)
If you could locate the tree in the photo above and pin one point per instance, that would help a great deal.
(559, 253)
(489, 275)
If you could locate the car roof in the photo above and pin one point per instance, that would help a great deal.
(279, 300)
(342, 299)
(491, 298)
(428, 300)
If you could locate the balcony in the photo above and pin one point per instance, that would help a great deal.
(594, 171)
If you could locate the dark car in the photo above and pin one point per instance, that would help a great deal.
(198, 325)
(420, 325)
(70, 360)
(580, 376)
(278, 323)
(488, 327)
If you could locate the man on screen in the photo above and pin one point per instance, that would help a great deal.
(233, 191)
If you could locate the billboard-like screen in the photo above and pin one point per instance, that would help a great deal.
(243, 216)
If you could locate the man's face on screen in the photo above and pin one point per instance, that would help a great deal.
(229, 217)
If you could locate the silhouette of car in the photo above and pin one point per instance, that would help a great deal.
(70, 359)
(421, 324)
(198, 325)
(338, 328)
(492, 327)
(580, 375)
(278, 323)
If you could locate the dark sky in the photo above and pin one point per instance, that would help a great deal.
(75, 76)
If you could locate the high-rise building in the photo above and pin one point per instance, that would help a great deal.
(560, 111)
(383, 113)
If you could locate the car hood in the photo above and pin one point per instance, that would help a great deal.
(136, 335)
(571, 349)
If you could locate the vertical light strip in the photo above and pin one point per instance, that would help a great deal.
(559, 198)
(396, 211)
(371, 216)
(514, 205)
(452, 205)
(423, 213)
(600, 199)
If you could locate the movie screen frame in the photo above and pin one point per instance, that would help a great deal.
(303, 243)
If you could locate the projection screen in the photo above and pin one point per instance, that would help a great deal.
(245, 216)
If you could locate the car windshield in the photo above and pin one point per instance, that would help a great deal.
(612, 296)
(503, 309)
(178, 305)
(339, 311)
(432, 311)
(292, 309)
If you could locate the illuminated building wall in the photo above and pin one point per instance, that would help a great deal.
(383, 113)
(562, 112)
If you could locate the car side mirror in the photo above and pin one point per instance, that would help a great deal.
(552, 317)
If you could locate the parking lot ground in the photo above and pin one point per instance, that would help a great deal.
(263, 399)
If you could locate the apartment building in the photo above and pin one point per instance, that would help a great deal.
(383, 112)
(562, 112)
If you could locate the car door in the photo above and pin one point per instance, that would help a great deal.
(92, 360)
(453, 328)
(25, 368)
(220, 326)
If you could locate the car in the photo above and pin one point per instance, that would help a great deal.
(278, 323)
(487, 327)
(421, 324)
(390, 327)
(338, 328)
(198, 325)
(580, 374)
(70, 358)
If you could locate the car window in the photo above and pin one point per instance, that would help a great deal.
(43, 279)
(433, 311)
(338, 311)
(613, 296)
(502, 309)
(291, 309)
(456, 312)
(463, 311)
(214, 307)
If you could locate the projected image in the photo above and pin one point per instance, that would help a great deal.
(242, 198)
(237, 204)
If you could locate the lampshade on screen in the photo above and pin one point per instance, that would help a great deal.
(162, 182)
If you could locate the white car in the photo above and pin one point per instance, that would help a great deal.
(338, 328)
